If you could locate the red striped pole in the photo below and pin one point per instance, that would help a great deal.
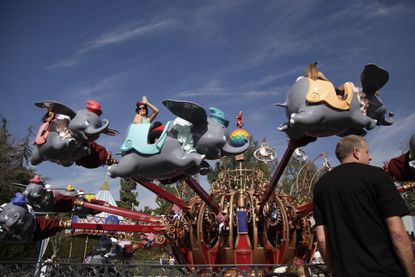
(163, 193)
(119, 227)
(119, 211)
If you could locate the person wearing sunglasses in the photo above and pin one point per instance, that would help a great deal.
(141, 111)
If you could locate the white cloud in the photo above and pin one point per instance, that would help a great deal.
(69, 62)
(390, 141)
(125, 34)
(116, 36)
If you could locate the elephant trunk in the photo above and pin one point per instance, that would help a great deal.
(95, 131)
(228, 150)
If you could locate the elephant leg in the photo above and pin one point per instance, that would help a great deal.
(59, 144)
(351, 131)
(364, 121)
(308, 118)
(191, 162)
(126, 167)
(36, 158)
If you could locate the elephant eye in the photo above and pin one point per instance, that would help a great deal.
(86, 122)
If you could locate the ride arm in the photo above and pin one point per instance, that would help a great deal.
(401, 244)
(98, 156)
(322, 244)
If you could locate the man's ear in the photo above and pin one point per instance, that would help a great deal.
(356, 153)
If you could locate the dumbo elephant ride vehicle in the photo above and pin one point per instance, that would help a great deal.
(181, 149)
(66, 136)
(315, 108)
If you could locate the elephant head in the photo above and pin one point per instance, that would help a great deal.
(17, 224)
(35, 191)
(87, 126)
(209, 132)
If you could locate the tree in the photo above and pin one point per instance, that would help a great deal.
(179, 189)
(299, 177)
(128, 199)
(13, 158)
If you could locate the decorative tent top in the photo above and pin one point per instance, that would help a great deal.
(105, 194)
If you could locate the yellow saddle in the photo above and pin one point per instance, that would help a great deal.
(323, 91)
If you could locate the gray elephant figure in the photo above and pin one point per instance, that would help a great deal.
(315, 108)
(167, 158)
(39, 196)
(209, 132)
(65, 136)
(17, 223)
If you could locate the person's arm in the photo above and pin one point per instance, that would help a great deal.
(322, 244)
(152, 107)
(401, 244)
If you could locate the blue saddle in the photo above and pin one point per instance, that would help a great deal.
(136, 139)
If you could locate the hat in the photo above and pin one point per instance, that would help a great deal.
(93, 107)
(218, 115)
(36, 180)
(19, 200)
(69, 187)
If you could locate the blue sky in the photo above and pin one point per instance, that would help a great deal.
(235, 55)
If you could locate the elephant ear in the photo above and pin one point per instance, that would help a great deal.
(56, 107)
(189, 111)
(373, 78)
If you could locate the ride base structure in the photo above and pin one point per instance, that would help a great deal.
(242, 221)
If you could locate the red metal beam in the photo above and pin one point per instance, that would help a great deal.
(163, 193)
(277, 174)
(292, 145)
(119, 227)
(304, 209)
(119, 211)
(196, 187)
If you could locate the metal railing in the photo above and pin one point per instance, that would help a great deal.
(122, 268)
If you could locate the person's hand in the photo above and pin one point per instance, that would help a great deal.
(144, 100)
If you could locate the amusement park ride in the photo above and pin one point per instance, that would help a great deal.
(244, 219)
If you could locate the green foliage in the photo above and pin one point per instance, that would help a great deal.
(128, 199)
(178, 189)
(13, 158)
(409, 198)
(20, 251)
(299, 178)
